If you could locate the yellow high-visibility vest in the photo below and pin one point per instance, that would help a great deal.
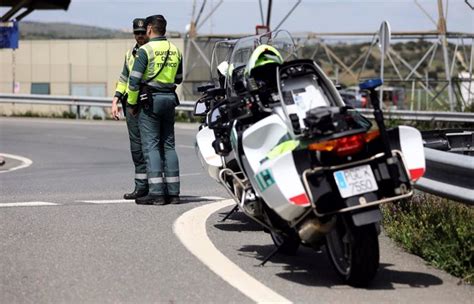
(123, 79)
(156, 52)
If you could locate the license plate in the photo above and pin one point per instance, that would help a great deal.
(355, 181)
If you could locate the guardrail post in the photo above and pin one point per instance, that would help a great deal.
(78, 111)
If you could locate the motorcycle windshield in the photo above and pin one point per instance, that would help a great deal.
(244, 47)
(220, 58)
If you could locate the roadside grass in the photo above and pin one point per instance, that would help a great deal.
(426, 125)
(64, 114)
(437, 229)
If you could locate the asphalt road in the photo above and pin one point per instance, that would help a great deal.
(67, 237)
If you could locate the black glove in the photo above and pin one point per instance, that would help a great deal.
(132, 110)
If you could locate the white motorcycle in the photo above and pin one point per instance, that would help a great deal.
(309, 169)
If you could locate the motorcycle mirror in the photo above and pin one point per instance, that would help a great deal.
(214, 118)
(384, 37)
(200, 108)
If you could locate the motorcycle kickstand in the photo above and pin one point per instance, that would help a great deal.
(236, 207)
(269, 256)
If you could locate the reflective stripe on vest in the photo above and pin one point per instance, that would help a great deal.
(130, 59)
(123, 79)
(156, 52)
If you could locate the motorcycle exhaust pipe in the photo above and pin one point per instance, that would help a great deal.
(312, 230)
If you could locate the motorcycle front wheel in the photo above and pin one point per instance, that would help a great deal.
(354, 251)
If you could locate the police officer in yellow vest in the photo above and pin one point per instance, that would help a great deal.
(141, 181)
(151, 96)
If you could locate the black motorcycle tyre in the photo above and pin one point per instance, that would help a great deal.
(287, 245)
(354, 251)
(287, 240)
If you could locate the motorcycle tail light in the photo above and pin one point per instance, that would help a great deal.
(369, 136)
(346, 145)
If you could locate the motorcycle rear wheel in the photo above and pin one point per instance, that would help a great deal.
(354, 251)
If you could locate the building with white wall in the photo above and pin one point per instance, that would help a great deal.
(65, 67)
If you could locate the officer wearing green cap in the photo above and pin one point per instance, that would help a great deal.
(152, 84)
(141, 181)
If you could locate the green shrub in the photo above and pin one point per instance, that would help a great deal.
(68, 114)
(26, 114)
(436, 229)
(183, 116)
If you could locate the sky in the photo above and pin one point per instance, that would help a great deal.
(241, 16)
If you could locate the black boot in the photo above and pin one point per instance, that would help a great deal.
(173, 199)
(135, 194)
(151, 199)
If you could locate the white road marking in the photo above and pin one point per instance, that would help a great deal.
(26, 162)
(190, 228)
(27, 204)
(186, 147)
(214, 198)
(97, 202)
(189, 174)
(124, 201)
(117, 201)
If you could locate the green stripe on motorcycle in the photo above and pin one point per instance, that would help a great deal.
(265, 179)
(259, 182)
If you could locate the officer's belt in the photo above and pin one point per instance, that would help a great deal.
(154, 89)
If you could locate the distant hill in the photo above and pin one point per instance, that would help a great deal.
(31, 30)
(39, 30)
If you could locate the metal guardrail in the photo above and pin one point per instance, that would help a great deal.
(188, 106)
(77, 101)
(423, 115)
(448, 175)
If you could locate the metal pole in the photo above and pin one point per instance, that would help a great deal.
(425, 12)
(427, 85)
(261, 11)
(288, 15)
(70, 78)
(203, 55)
(470, 73)
(418, 99)
(431, 49)
(213, 10)
(442, 32)
(269, 13)
(17, 7)
(395, 66)
(200, 12)
(13, 70)
(369, 51)
(382, 59)
(453, 62)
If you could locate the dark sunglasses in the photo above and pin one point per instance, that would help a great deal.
(140, 33)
